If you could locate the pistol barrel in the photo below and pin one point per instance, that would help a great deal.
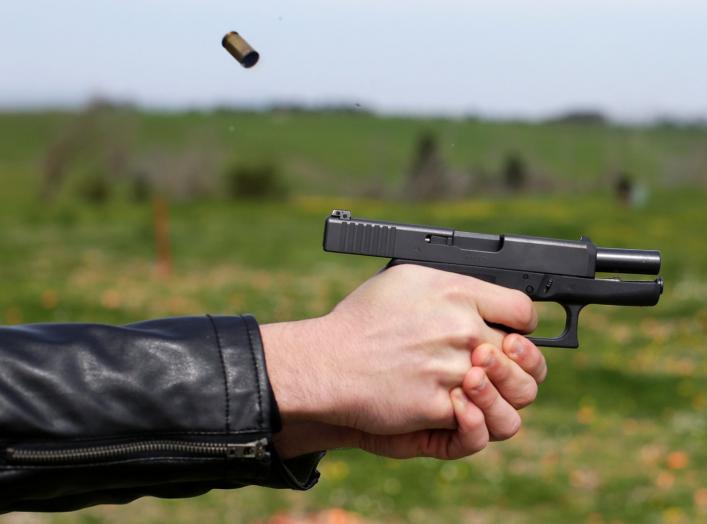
(638, 261)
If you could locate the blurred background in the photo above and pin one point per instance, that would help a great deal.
(145, 173)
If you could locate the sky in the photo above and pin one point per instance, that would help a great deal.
(632, 59)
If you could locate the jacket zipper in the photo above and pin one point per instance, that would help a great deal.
(108, 452)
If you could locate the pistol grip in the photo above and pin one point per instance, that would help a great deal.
(568, 338)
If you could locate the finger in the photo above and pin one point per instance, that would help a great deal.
(491, 335)
(502, 420)
(526, 354)
(471, 435)
(508, 307)
(515, 385)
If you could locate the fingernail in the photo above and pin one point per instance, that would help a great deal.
(480, 385)
(488, 361)
(459, 398)
(517, 348)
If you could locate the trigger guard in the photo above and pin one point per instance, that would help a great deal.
(568, 338)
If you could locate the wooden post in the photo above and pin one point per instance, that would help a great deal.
(163, 248)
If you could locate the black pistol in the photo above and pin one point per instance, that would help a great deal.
(546, 269)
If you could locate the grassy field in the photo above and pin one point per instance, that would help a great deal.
(335, 153)
(619, 431)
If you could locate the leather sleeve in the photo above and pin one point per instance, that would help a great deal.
(95, 414)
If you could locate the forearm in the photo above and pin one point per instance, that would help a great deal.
(154, 408)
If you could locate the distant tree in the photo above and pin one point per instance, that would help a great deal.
(427, 178)
(624, 188)
(255, 182)
(581, 117)
(140, 189)
(94, 188)
(97, 140)
(515, 172)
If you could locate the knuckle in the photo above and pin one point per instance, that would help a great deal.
(475, 331)
(459, 289)
(460, 327)
(511, 427)
(481, 353)
(487, 398)
(475, 420)
(524, 310)
(471, 379)
(530, 359)
(526, 396)
(502, 370)
(542, 374)
(480, 442)
(440, 412)
(453, 292)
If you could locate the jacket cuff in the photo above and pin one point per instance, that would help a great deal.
(298, 473)
(234, 334)
(241, 351)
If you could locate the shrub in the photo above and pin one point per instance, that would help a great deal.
(255, 182)
(94, 188)
(427, 178)
(515, 172)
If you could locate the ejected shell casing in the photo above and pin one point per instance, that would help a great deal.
(240, 49)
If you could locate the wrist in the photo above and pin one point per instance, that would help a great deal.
(293, 352)
(301, 438)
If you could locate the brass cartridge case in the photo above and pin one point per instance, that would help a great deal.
(240, 49)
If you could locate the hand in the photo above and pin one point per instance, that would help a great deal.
(485, 405)
(385, 360)
(491, 414)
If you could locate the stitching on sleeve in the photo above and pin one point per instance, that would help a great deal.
(257, 372)
(225, 375)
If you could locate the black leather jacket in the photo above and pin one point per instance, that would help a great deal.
(171, 408)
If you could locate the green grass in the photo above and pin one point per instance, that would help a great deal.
(328, 152)
(619, 431)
